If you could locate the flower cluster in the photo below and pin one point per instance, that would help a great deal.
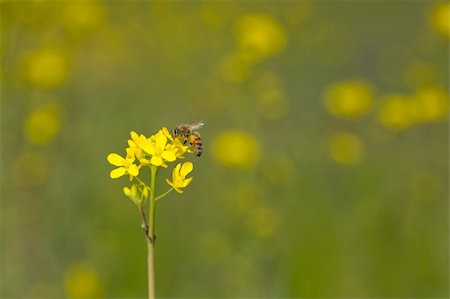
(155, 152)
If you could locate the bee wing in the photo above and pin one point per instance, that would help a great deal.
(197, 125)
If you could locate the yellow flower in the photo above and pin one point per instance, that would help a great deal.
(136, 145)
(125, 165)
(156, 146)
(179, 176)
(177, 148)
(349, 99)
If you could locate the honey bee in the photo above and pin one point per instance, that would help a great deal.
(187, 133)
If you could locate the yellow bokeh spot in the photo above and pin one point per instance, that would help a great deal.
(43, 124)
(430, 104)
(259, 36)
(236, 149)
(82, 281)
(30, 169)
(440, 19)
(349, 99)
(396, 111)
(83, 15)
(346, 149)
(46, 68)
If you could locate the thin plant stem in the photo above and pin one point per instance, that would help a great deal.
(164, 194)
(151, 235)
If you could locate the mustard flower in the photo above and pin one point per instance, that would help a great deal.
(178, 148)
(156, 146)
(125, 165)
(179, 176)
(135, 143)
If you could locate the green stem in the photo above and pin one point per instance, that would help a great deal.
(151, 235)
(164, 194)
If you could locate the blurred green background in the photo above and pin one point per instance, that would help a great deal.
(325, 166)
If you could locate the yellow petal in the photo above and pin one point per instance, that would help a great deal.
(186, 182)
(160, 140)
(130, 154)
(144, 162)
(167, 133)
(133, 170)
(186, 168)
(115, 159)
(148, 146)
(117, 173)
(134, 136)
(169, 156)
(176, 172)
(156, 160)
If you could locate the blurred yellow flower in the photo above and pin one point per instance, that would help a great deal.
(430, 104)
(259, 36)
(396, 111)
(156, 146)
(349, 99)
(82, 15)
(46, 68)
(236, 149)
(82, 281)
(179, 174)
(439, 18)
(43, 124)
(346, 149)
(125, 165)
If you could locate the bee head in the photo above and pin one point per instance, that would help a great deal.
(175, 131)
